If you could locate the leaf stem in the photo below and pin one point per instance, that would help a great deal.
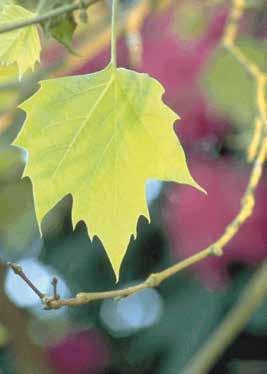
(114, 18)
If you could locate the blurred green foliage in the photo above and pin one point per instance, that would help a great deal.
(230, 86)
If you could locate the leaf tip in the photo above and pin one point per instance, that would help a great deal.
(198, 187)
(115, 258)
(116, 269)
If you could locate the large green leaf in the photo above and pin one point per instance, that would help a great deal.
(100, 137)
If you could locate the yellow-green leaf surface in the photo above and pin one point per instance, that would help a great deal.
(100, 137)
(20, 46)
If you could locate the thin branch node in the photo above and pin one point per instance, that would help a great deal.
(16, 268)
(153, 280)
(46, 301)
(216, 251)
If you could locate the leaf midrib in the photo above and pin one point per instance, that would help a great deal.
(83, 125)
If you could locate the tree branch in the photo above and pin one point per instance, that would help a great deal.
(256, 291)
(18, 270)
(44, 17)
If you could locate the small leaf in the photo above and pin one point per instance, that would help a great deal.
(21, 46)
(100, 137)
(63, 31)
(61, 27)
